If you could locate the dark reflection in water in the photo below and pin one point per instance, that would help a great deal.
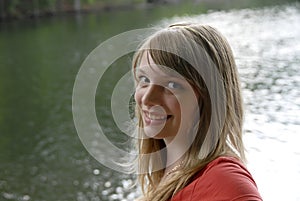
(40, 153)
(41, 156)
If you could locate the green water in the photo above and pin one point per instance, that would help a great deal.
(41, 156)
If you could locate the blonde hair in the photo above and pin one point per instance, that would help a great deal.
(194, 47)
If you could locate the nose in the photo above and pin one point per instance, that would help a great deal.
(152, 95)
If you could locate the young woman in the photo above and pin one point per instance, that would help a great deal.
(190, 117)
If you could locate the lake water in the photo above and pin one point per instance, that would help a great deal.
(41, 156)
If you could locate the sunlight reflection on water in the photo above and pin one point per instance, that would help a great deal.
(267, 49)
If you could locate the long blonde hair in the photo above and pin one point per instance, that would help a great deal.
(219, 131)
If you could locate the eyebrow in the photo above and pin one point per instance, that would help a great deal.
(138, 69)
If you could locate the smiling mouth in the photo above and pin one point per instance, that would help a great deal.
(152, 118)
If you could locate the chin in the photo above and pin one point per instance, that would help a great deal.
(157, 134)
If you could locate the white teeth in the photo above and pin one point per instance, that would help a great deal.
(156, 117)
(153, 117)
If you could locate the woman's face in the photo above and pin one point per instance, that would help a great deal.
(167, 102)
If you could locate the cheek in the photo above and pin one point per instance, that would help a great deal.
(189, 106)
(174, 105)
(138, 97)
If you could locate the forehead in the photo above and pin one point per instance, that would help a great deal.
(147, 64)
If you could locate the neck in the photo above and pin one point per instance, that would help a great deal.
(176, 149)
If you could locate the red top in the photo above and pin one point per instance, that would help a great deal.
(225, 178)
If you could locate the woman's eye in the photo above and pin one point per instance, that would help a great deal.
(144, 80)
(174, 85)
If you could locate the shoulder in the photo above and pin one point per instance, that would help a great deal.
(225, 178)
